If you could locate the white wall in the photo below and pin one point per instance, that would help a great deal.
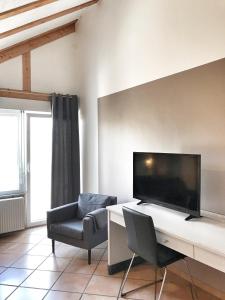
(53, 68)
(11, 74)
(125, 43)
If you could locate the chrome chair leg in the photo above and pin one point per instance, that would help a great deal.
(163, 282)
(125, 278)
(193, 290)
(121, 294)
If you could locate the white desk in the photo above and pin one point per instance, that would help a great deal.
(202, 239)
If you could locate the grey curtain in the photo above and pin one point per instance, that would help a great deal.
(65, 150)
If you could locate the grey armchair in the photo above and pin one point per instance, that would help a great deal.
(82, 224)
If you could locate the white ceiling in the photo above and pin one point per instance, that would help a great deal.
(9, 4)
(35, 14)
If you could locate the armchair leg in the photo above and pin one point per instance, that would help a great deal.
(53, 246)
(89, 257)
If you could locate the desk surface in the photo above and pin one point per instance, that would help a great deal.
(203, 232)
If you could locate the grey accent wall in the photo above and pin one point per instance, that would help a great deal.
(182, 113)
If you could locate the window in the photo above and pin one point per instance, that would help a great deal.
(11, 162)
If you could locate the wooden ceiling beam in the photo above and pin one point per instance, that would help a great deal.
(47, 19)
(8, 93)
(36, 41)
(21, 9)
(26, 71)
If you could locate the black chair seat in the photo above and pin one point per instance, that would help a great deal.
(70, 228)
(167, 256)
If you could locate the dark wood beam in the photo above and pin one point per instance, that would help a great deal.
(47, 19)
(24, 8)
(8, 93)
(36, 41)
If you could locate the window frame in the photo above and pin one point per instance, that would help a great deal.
(20, 149)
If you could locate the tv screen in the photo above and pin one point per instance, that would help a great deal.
(170, 180)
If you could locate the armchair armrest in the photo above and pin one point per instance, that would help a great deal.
(95, 220)
(62, 213)
(99, 217)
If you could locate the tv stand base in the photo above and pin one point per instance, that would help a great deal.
(191, 217)
(140, 202)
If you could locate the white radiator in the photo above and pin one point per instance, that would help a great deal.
(12, 214)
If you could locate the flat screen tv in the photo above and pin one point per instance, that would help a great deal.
(168, 179)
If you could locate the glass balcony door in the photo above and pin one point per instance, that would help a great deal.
(39, 154)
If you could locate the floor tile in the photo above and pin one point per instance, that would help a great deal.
(6, 259)
(172, 277)
(176, 291)
(47, 241)
(5, 246)
(14, 276)
(81, 266)
(27, 293)
(77, 273)
(40, 230)
(7, 239)
(170, 291)
(102, 270)
(97, 297)
(55, 295)
(66, 251)
(33, 239)
(5, 291)
(144, 293)
(29, 261)
(10, 237)
(44, 250)
(54, 264)
(96, 254)
(41, 279)
(143, 272)
(2, 269)
(72, 282)
(16, 248)
(106, 286)
(202, 295)
(105, 255)
(102, 245)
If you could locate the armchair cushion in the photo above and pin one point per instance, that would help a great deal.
(71, 228)
(88, 202)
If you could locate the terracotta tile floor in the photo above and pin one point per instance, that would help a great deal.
(29, 271)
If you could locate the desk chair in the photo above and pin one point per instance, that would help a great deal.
(142, 242)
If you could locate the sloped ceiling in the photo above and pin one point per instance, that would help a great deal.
(33, 15)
